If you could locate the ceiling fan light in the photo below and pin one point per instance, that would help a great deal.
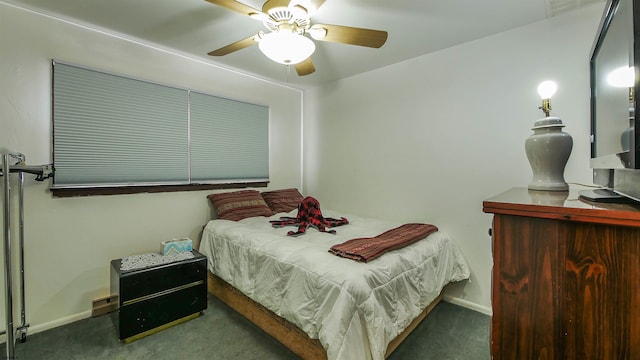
(285, 47)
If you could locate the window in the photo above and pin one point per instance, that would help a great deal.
(111, 131)
(229, 140)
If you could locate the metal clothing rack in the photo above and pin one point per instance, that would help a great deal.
(41, 172)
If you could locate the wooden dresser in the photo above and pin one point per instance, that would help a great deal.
(566, 277)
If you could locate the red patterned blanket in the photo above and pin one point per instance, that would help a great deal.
(367, 249)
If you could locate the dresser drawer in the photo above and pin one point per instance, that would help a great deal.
(131, 285)
(148, 314)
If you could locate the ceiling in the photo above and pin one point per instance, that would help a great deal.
(415, 27)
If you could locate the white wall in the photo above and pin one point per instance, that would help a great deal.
(424, 140)
(430, 138)
(70, 241)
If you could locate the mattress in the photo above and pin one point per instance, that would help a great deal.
(355, 309)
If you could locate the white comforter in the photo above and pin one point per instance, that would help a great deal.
(354, 309)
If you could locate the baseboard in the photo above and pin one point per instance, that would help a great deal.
(59, 322)
(468, 304)
(34, 329)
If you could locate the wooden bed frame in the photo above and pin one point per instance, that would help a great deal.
(282, 330)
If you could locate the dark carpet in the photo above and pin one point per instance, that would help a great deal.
(448, 332)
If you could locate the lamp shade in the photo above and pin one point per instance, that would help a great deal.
(285, 47)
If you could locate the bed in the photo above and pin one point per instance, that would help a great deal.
(321, 305)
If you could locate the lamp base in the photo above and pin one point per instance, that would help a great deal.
(548, 150)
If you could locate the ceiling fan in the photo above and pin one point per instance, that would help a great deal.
(288, 21)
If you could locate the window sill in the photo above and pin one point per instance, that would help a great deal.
(121, 190)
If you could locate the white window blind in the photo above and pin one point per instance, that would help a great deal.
(110, 130)
(229, 139)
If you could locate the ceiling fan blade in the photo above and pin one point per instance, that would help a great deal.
(349, 35)
(305, 67)
(238, 45)
(238, 7)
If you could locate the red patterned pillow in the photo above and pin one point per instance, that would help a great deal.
(238, 205)
(283, 200)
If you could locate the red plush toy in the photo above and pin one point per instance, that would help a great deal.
(309, 214)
